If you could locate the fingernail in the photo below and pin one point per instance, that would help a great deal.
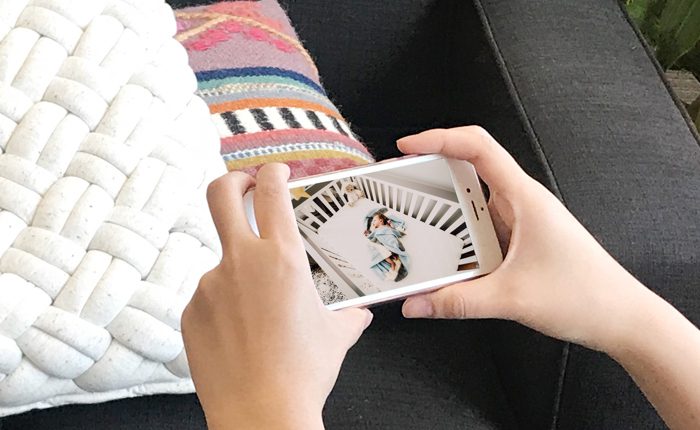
(370, 317)
(417, 307)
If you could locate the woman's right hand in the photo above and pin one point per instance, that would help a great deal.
(555, 278)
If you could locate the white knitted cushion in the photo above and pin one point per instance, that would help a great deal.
(105, 155)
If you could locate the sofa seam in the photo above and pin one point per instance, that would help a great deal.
(660, 72)
(514, 93)
(554, 185)
(453, 96)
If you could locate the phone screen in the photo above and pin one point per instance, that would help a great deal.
(375, 232)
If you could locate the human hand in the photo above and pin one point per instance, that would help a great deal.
(555, 277)
(263, 350)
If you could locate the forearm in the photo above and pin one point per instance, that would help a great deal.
(661, 352)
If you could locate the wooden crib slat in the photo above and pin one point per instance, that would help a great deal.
(407, 198)
(308, 212)
(410, 201)
(366, 188)
(359, 184)
(307, 223)
(323, 200)
(394, 199)
(433, 213)
(424, 207)
(414, 201)
(341, 195)
(468, 248)
(380, 194)
(446, 217)
(318, 209)
(455, 225)
(311, 218)
(464, 234)
(335, 198)
(373, 190)
(467, 260)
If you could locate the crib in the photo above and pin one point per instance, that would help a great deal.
(423, 207)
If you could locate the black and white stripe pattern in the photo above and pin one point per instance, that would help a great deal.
(231, 121)
(273, 118)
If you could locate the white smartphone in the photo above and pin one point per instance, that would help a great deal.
(385, 231)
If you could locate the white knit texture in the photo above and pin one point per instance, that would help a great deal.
(105, 155)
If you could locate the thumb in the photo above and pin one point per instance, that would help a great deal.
(478, 298)
(354, 321)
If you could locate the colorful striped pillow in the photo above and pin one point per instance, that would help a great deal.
(264, 91)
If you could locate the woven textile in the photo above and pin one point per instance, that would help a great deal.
(105, 154)
(263, 90)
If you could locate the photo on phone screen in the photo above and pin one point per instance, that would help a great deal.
(380, 231)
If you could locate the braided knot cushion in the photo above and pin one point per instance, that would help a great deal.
(105, 154)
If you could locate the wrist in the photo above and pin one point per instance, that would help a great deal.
(264, 413)
(641, 317)
(616, 310)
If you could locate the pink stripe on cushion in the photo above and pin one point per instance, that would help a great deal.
(310, 167)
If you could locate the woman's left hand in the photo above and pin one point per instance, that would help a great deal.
(263, 350)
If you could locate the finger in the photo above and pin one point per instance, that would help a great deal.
(354, 321)
(478, 298)
(472, 143)
(502, 225)
(225, 197)
(273, 205)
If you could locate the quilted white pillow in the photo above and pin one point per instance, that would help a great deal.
(105, 155)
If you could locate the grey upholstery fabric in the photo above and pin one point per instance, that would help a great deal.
(402, 374)
(568, 88)
(403, 66)
(622, 158)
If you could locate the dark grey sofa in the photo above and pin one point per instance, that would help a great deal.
(571, 90)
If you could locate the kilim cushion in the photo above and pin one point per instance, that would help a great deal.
(264, 91)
